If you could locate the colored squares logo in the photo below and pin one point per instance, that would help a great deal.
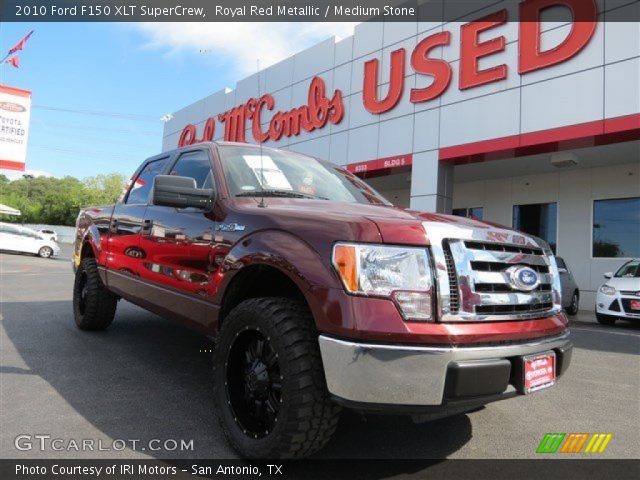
(574, 443)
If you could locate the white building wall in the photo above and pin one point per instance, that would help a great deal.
(574, 191)
(602, 81)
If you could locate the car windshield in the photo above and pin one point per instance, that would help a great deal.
(286, 174)
(629, 270)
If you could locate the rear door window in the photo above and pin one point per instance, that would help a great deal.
(141, 185)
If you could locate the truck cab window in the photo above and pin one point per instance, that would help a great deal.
(195, 165)
(141, 186)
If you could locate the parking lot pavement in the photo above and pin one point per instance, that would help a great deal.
(147, 378)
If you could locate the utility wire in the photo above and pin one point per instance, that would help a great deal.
(127, 116)
(83, 153)
(98, 129)
(112, 141)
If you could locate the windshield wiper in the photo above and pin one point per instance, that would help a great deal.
(279, 193)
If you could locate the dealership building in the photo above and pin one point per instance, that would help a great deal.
(535, 127)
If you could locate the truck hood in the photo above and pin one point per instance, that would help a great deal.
(396, 225)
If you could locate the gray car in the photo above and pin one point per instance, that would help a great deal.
(570, 290)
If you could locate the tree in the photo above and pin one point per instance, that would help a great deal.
(107, 188)
(56, 201)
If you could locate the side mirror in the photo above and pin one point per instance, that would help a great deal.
(608, 275)
(180, 192)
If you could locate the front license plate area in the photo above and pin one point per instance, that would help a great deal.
(635, 304)
(539, 371)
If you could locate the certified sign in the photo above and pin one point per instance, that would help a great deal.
(15, 110)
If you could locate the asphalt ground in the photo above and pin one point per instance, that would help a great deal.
(147, 379)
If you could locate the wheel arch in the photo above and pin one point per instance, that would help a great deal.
(255, 281)
(274, 262)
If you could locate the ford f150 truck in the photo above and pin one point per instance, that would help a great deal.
(320, 294)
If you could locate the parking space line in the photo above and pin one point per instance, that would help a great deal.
(605, 331)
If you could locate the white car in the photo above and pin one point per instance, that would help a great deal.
(50, 234)
(14, 238)
(619, 297)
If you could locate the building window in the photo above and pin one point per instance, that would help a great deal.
(477, 213)
(539, 219)
(616, 228)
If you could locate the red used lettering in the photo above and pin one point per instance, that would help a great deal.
(438, 69)
(396, 83)
(531, 56)
(471, 50)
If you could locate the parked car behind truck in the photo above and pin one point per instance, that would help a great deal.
(19, 239)
(619, 297)
(570, 290)
(320, 294)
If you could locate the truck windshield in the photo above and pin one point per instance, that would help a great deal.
(286, 174)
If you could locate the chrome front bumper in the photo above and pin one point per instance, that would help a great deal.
(409, 375)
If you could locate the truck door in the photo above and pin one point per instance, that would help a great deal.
(177, 243)
(126, 224)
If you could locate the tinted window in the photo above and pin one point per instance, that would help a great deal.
(539, 219)
(195, 165)
(477, 213)
(629, 269)
(141, 186)
(616, 228)
(560, 263)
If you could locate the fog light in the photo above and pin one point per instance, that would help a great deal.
(414, 306)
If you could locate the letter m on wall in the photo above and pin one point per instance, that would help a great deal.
(550, 443)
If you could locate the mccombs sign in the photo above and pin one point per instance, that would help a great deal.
(322, 109)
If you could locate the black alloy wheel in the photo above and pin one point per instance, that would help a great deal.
(254, 383)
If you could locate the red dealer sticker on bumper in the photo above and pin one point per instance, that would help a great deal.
(635, 304)
(539, 371)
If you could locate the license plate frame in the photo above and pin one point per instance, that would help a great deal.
(533, 379)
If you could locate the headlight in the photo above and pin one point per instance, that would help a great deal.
(400, 273)
(607, 289)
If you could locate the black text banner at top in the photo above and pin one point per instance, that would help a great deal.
(311, 10)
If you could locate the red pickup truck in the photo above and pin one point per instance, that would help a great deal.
(320, 294)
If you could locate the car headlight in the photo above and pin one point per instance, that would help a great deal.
(607, 289)
(400, 273)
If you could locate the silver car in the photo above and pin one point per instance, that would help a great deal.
(570, 290)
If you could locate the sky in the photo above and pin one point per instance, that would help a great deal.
(119, 79)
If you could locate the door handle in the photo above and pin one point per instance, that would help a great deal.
(147, 226)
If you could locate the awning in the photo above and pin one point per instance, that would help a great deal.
(6, 210)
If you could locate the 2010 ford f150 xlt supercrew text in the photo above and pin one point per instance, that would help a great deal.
(320, 294)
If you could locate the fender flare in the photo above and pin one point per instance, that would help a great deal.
(286, 252)
(92, 238)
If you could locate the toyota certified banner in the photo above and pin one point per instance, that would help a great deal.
(15, 110)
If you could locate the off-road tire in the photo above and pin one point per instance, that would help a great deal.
(96, 309)
(575, 304)
(605, 319)
(45, 252)
(307, 418)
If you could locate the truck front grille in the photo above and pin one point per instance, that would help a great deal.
(474, 268)
(454, 298)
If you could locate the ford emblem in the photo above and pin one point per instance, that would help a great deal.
(523, 278)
